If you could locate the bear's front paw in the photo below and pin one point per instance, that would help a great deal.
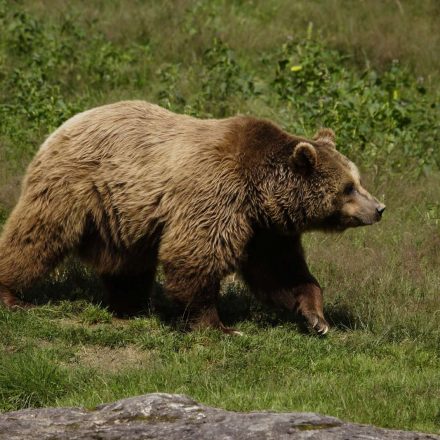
(317, 323)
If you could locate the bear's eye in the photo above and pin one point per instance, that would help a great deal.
(349, 189)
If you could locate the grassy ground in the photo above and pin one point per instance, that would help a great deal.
(381, 362)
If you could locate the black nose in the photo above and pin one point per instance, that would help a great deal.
(380, 209)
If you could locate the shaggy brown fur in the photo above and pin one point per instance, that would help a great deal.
(131, 185)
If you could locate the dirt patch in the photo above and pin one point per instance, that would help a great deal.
(112, 360)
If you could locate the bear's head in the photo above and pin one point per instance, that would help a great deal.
(331, 195)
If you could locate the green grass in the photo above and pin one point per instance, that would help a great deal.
(381, 362)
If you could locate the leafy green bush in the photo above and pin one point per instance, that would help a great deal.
(383, 116)
(50, 72)
(52, 69)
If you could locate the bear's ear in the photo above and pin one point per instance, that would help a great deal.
(304, 156)
(326, 135)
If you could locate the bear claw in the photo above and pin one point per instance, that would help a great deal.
(321, 328)
(318, 324)
(11, 302)
(21, 305)
(231, 331)
(323, 331)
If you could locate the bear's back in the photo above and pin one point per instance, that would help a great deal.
(134, 130)
(135, 158)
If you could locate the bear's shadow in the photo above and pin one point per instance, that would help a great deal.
(239, 306)
(74, 282)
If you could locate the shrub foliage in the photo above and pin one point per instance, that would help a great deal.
(50, 70)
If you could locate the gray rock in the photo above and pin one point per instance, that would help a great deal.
(168, 416)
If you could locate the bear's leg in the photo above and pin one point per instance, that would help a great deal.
(276, 271)
(198, 293)
(127, 294)
(35, 238)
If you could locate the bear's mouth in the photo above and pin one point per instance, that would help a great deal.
(338, 222)
(355, 221)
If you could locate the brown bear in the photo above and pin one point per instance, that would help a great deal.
(131, 185)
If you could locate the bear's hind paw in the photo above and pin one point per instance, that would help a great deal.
(13, 303)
